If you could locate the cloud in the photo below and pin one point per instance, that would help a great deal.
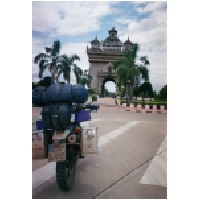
(151, 34)
(69, 18)
(37, 47)
(151, 7)
(148, 27)
(123, 20)
(79, 49)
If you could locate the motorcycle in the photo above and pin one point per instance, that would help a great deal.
(69, 144)
(67, 141)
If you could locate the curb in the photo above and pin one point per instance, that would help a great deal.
(147, 107)
(158, 109)
(150, 111)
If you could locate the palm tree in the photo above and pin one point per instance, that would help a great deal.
(52, 55)
(127, 69)
(41, 58)
(143, 68)
(66, 65)
(85, 78)
(59, 64)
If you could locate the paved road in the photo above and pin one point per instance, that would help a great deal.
(131, 162)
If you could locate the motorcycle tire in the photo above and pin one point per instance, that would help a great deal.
(65, 173)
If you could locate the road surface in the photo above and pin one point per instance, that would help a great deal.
(131, 163)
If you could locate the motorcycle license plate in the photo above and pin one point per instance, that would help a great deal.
(57, 151)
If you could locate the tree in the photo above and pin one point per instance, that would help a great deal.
(136, 92)
(50, 55)
(45, 82)
(143, 68)
(146, 90)
(78, 74)
(66, 65)
(163, 92)
(85, 78)
(41, 58)
(58, 64)
(128, 71)
(106, 92)
(34, 85)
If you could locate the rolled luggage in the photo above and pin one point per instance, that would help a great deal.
(56, 116)
(66, 93)
(37, 95)
(79, 93)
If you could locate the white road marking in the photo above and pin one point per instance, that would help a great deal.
(115, 133)
(43, 174)
(96, 120)
(87, 123)
(156, 173)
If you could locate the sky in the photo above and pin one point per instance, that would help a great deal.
(76, 23)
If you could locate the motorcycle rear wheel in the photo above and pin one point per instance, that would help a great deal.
(65, 174)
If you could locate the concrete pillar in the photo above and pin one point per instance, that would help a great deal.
(162, 107)
(154, 107)
(146, 106)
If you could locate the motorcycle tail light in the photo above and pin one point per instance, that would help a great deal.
(77, 130)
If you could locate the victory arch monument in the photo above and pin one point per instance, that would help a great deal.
(101, 56)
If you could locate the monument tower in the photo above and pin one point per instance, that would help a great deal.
(101, 56)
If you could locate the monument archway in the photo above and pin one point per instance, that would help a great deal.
(103, 77)
(101, 57)
(102, 92)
